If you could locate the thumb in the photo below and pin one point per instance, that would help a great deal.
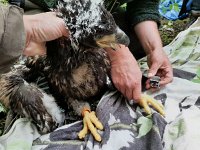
(35, 48)
(153, 70)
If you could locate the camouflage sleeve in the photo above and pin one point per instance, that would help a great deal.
(12, 35)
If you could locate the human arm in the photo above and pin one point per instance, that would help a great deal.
(25, 34)
(125, 72)
(144, 20)
(126, 76)
(158, 62)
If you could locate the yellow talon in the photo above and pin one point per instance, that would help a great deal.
(146, 100)
(84, 131)
(89, 120)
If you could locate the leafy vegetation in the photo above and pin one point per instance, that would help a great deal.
(169, 29)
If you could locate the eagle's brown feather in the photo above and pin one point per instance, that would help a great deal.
(75, 67)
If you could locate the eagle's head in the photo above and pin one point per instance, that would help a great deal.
(90, 24)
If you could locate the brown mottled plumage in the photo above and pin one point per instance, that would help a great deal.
(76, 67)
(27, 100)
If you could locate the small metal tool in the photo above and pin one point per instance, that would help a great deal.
(155, 82)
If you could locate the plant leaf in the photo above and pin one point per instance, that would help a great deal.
(198, 73)
(196, 80)
(145, 125)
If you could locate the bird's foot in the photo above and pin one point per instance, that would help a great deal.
(147, 100)
(90, 121)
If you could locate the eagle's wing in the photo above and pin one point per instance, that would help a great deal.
(29, 101)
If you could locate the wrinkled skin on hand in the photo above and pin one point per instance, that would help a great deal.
(125, 73)
(127, 77)
(40, 28)
(158, 62)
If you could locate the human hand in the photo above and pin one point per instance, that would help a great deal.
(159, 65)
(40, 28)
(158, 62)
(125, 73)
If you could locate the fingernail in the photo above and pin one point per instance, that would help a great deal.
(150, 75)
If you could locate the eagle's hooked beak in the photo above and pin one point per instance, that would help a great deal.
(113, 40)
(107, 41)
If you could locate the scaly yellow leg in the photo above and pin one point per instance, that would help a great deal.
(146, 100)
(89, 120)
